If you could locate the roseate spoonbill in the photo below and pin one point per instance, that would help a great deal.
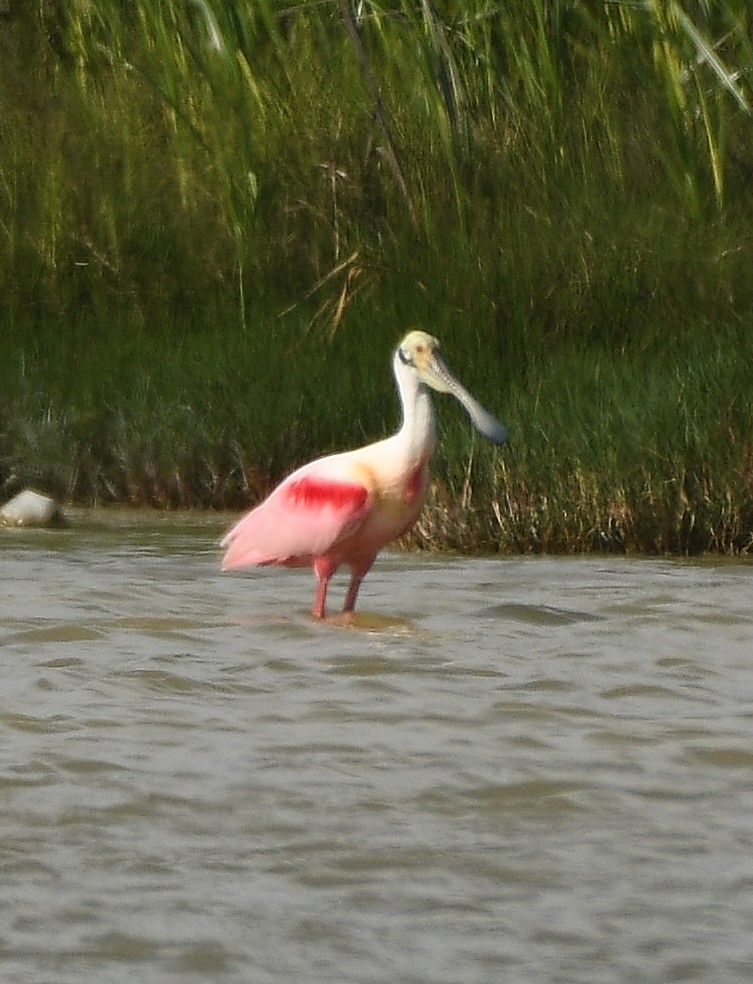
(343, 508)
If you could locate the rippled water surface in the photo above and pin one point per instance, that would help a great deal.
(523, 770)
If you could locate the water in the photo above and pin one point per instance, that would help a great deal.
(524, 770)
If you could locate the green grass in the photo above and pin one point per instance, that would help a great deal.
(216, 220)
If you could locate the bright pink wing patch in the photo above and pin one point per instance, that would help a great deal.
(315, 493)
(416, 482)
(302, 519)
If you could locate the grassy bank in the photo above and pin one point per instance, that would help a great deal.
(218, 219)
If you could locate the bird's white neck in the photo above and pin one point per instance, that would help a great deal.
(418, 431)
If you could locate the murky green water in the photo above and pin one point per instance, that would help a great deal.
(524, 770)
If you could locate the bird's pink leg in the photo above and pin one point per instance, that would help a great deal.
(320, 599)
(350, 597)
(324, 572)
(357, 575)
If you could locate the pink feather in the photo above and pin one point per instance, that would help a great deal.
(303, 518)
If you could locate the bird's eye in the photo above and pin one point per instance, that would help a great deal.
(420, 349)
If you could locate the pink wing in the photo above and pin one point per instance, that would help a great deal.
(303, 518)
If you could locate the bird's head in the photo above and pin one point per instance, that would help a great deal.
(421, 352)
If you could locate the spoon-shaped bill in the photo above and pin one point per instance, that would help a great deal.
(438, 376)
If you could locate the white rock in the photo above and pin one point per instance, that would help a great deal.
(30, 508)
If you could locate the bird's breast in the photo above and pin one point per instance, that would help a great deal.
(402, 492)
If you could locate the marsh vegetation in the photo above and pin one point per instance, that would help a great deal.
(217, 219)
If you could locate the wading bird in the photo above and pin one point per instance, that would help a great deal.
(343, 508)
